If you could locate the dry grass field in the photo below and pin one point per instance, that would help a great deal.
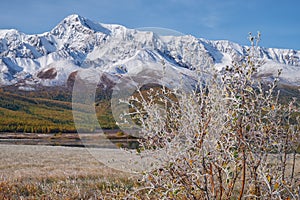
(26, 161)
(55, 172)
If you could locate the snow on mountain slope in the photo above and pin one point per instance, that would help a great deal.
(78, 43)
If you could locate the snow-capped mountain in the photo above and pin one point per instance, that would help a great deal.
(77, 43)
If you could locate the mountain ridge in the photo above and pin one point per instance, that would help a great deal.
(78, 43)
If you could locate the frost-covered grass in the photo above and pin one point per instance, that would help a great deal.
(54, 172)
(48, 172)
(91, 187)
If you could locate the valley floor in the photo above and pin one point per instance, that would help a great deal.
(55, 172)
(29, 161)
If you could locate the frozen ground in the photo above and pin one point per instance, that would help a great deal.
(29, 161)
(39, 162)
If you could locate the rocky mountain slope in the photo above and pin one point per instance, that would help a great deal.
(76, 43)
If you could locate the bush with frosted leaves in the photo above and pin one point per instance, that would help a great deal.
(227, 138)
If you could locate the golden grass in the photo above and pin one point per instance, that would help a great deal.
(55, 172)
(48, 172)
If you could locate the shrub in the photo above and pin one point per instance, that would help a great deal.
(228, 138)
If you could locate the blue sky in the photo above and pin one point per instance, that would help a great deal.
(278, 21)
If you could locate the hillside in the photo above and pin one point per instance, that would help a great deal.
(48, 110)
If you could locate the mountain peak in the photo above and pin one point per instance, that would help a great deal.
(73, 17)
(9, 32)
(76, 22)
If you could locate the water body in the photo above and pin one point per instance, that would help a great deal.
(87, 140)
